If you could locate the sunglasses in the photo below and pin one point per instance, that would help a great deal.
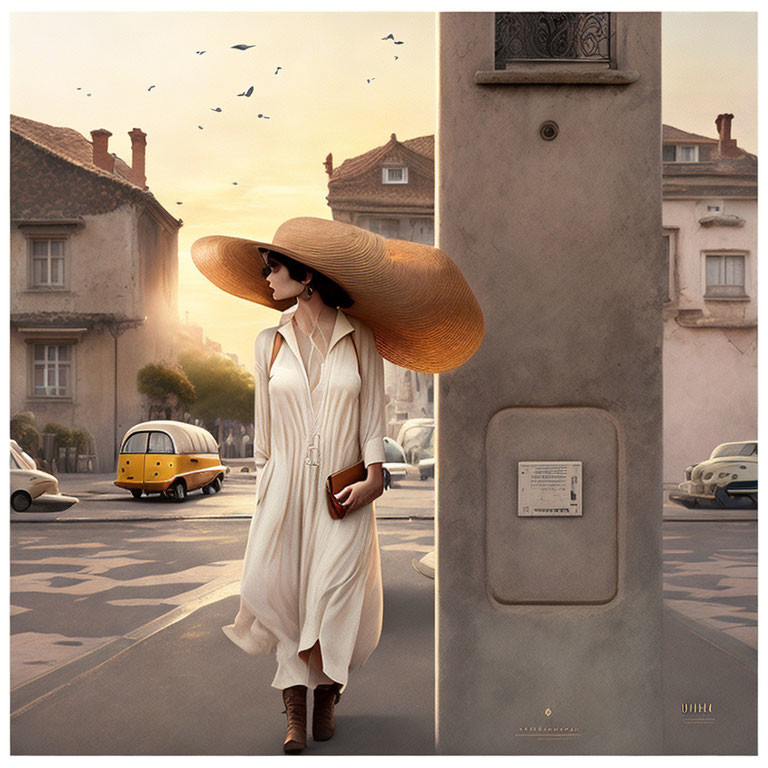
(272, 266)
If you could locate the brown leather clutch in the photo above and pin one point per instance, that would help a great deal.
(339, 480)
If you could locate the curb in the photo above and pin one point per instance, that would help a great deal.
(25, 695)
(710, 520)
(176, 518)
(734, 648)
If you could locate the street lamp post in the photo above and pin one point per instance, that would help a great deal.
(117, 328)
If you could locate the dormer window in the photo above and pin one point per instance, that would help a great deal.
(394, 175)
(680, 153)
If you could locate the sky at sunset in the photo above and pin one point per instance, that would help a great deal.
(318, 102)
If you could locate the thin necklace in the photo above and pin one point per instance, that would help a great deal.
(310, 337)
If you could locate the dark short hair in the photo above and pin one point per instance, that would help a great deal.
(330, 291)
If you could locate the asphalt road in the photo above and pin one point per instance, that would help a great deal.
(117, 646)
(710, 577)
(99, 499)
(116, 643)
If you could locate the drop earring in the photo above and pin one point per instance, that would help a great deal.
(310, 291)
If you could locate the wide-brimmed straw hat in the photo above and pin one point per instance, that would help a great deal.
(414, 299)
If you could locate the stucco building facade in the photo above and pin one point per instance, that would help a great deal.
(709, 204)
(710, 315)
(390, 190)
(94, 261)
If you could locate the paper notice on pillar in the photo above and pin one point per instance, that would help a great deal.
(548, 488)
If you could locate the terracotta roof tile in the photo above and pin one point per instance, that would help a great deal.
(387, 196)
(669, 134)
(73, 147)
(357, 181)
(725, 165)
(69, 144)
(73, 319)
(423, 147)
(745, 165)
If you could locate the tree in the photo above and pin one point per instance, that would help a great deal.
(25, 433)
(166, 387)
(224, 390)
(79, 438)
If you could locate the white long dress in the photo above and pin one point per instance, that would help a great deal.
(307, 577)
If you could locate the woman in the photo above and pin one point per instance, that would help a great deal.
(311, 584)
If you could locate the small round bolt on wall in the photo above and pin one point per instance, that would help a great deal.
(549, 130)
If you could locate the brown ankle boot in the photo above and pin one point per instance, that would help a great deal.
(322, 713)
(295, 700)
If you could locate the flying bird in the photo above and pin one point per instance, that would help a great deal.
(398, 42)
(266, 117)
(242, 47)
(246, 93)
(277, 70)
(217, 109)
(368, 80)
(396, 58)
(200, 127)
(234, 183)
(199, 53)
(178, 203)
(390, 36)
(150, 87)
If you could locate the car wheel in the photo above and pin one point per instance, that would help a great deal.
(21, 501)
(178, 491)
(216, 484)
(136, 493)
(387, 480)
(208, 489)
(722, 498)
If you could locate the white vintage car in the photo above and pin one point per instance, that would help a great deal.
(29, 484)
(730, 471)
(395, 466)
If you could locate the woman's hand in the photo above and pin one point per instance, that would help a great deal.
(360, 494)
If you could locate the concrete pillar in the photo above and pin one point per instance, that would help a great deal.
(551, 621)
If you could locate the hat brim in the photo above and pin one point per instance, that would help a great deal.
(236, 266)
(412, 297)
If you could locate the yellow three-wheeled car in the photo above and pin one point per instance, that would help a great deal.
(169, 457)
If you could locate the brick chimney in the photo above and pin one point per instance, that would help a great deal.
(726, 146)
(101, 157)
(138, 159)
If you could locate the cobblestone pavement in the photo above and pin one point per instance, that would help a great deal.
(710, 576)
(76, 589)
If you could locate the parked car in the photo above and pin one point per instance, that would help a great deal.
(170, 458)
(395, 466)
(427, 468)
(730, 471)
(416, 436)
(30, 484)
